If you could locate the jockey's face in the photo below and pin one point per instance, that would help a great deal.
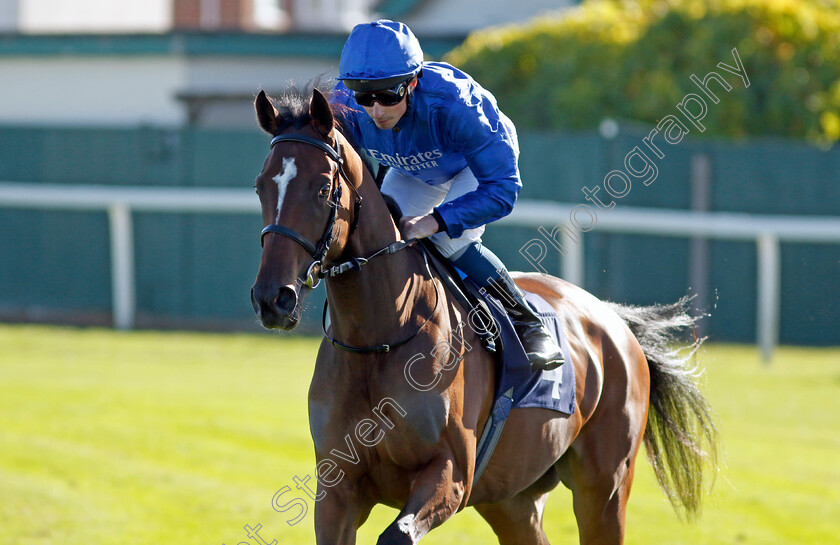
(386, 117)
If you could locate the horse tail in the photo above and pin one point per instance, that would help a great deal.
(680, 421)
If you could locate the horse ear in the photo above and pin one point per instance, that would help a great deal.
(266, 114)
(321, 113)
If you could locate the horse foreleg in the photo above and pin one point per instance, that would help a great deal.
(437, 493)
(338, 516)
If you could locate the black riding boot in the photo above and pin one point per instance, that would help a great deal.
(540, 346)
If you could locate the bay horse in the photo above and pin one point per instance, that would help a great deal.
(381, 439)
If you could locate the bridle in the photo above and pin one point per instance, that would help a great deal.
(316, 270)
(318, 251)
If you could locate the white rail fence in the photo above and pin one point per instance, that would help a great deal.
(549, 219)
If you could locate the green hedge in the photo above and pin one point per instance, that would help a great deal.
(633, 60)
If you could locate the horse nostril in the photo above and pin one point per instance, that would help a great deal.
(254, 302)
(276, 307)
(286, 299)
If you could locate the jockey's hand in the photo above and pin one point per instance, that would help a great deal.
(418, 226)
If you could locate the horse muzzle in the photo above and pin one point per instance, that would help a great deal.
(277, 307)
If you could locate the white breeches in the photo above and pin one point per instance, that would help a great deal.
(417, 198)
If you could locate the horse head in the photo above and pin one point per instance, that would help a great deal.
(307, 189)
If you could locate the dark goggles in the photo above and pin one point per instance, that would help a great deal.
(385, 97)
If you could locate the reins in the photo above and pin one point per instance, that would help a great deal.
(355, 263)
(319, 251)
(382, 348)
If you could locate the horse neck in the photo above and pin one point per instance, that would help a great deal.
(391, 294)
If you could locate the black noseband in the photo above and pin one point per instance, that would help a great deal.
(294, 235)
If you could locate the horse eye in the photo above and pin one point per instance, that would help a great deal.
(324, 191)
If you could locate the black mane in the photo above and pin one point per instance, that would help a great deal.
(293, 105)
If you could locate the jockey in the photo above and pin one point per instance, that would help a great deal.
(452, 158)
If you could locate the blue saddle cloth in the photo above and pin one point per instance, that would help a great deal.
(553, 389)
(516, 385)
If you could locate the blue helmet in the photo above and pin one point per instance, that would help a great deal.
(379, 55)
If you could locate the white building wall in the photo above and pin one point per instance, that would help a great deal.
(170, 88)
(330, 14)
(115, 16)
(79, 16)
(250, 75)
(131, 90)
(245, 78)
(430, 17)
(91, 91)
(8, 15)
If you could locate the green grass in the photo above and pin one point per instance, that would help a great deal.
(184, 438)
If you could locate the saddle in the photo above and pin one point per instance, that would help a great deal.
(516, 384)
(467, 294)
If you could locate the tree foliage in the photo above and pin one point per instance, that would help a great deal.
(633, 60)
